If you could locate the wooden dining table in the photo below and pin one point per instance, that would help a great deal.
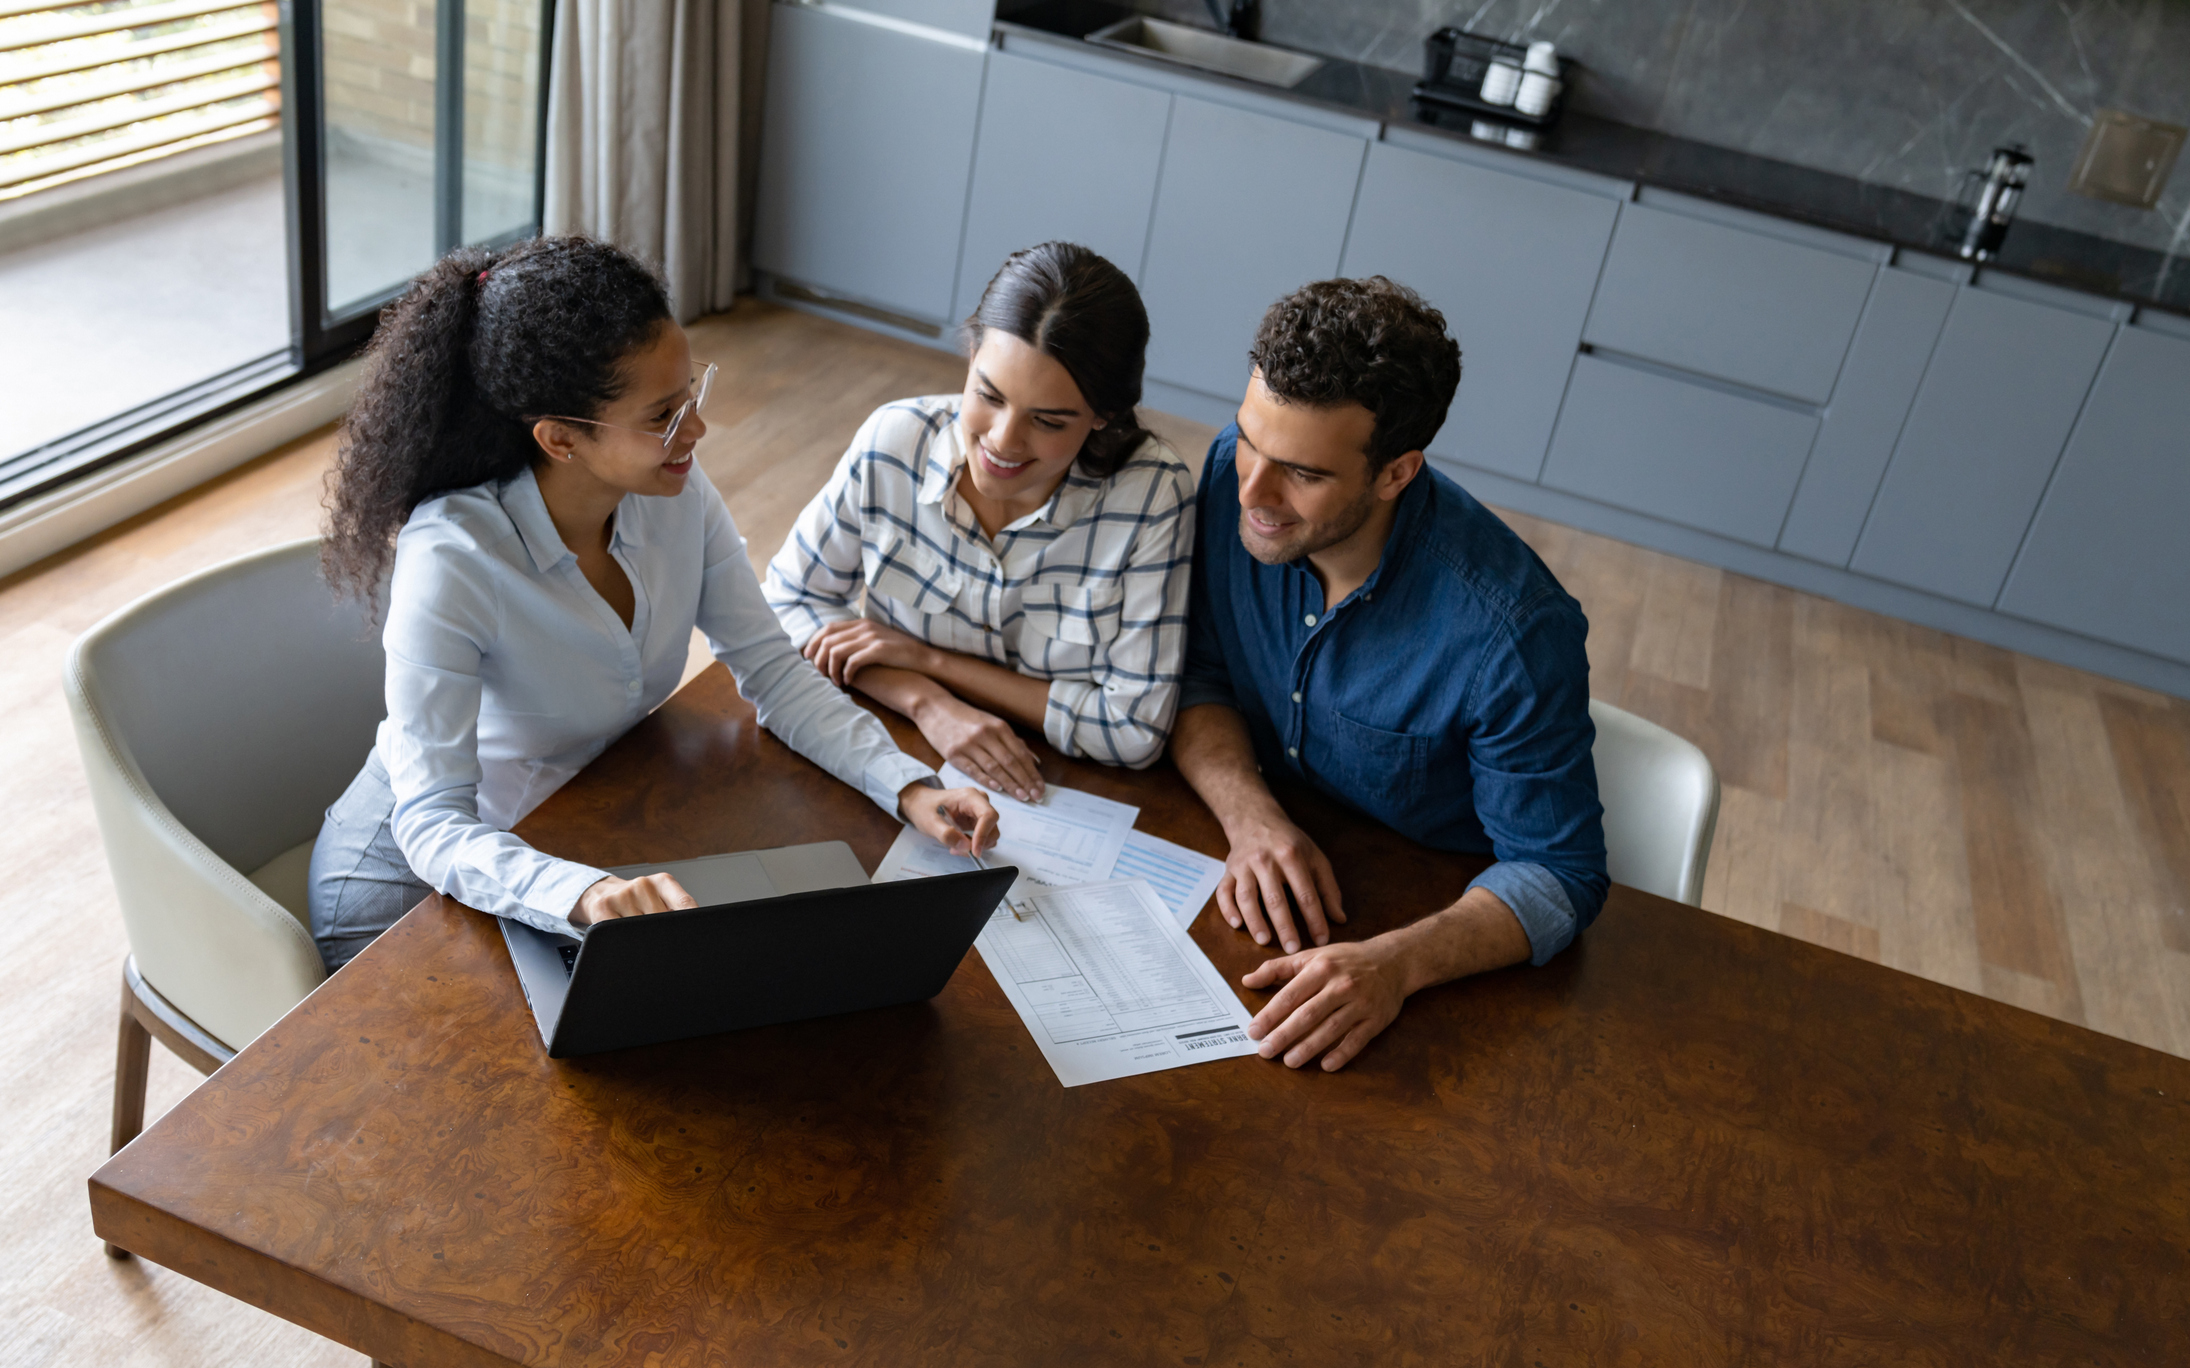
(1685, 1140)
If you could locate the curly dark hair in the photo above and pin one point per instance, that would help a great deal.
(1071, 304)
(479, 348)
(1369, 342)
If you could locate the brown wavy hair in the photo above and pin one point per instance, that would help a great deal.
(480, 347)
(1369, 342)
(1072, 305)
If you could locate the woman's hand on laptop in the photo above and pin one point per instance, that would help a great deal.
(961, 818)
(613, 897)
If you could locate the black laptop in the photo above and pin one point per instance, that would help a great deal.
(780, 935)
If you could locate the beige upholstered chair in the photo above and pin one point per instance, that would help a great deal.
(1661, 805)
(218, 718)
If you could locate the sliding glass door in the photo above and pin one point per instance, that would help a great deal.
(202, 201)
(430, 128)
(424, 133)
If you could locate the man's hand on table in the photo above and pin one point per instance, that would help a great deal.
(610, 898)
(1335, 1000)
(1269, 856)
(963, 819)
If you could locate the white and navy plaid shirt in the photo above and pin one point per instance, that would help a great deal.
(1088, 591)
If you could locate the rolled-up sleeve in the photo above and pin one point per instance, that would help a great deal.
(793, 699)
(1204, 678)
(815, 577)
(1535, 783)
(1123, 716)
(438, 621)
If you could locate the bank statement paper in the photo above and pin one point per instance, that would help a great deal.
(1070, 837)
(1183, 878)
(1109, 985)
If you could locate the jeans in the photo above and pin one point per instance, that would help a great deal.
(360, 883)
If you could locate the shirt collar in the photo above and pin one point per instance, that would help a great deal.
(630, 520)
(939, 476)
(521, 499)
(528, 511)
(1413, 501)
(1073, 499)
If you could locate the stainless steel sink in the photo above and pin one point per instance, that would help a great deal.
(1210, 51)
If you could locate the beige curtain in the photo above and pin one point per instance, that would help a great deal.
(642, 146)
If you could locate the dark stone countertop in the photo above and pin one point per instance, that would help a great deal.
(2039, 251)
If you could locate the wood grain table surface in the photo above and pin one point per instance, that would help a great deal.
(1685, 1141)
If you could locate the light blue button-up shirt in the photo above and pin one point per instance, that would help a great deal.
(507, 673)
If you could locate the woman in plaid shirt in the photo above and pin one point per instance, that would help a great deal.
(1015, 553)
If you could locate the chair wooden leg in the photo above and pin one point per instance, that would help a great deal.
(132, 1057)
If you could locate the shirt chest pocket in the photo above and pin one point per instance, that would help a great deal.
(1372, 767)
(910, 575)
(1078, 614)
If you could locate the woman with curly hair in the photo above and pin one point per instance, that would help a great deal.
(1017, 552)
(521, 455)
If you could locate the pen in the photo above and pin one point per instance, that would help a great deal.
(1016, 914)
(978, 863)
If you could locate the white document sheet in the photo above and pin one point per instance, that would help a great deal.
(1184, 879)
(915, 855)
(1072, 837)
(1110, 986)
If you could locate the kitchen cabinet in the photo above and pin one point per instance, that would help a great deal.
(969, 17)
(2003, 388)
(867, 150)
(1724, 301)
(1063, 154)
(1756, 393)
(1250, 207)
(1700, 455)
(1893, 344)
(2109, 552)
(1511, 262)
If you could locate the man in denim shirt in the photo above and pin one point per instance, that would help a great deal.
(1361, 623)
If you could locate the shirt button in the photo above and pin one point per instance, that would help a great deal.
(1293, 751)
(1310, 619)
(632, 687)
(1296, 695)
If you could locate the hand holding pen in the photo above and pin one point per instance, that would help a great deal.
(1021, 909)
(962, 819)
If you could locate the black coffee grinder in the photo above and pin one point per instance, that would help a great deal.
(2000, 190)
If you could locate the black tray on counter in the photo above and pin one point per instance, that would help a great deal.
(1453, 63)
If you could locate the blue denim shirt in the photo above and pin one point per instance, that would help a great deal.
(1447, 697)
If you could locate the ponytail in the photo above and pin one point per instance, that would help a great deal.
(1077, 308)
(462, 365)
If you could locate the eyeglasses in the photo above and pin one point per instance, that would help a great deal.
(676, 420)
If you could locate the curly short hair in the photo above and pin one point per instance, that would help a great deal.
(1370, 342)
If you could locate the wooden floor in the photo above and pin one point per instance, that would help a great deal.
(1964, 813)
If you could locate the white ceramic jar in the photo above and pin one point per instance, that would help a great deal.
(1501, 82)
(1540, 83)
